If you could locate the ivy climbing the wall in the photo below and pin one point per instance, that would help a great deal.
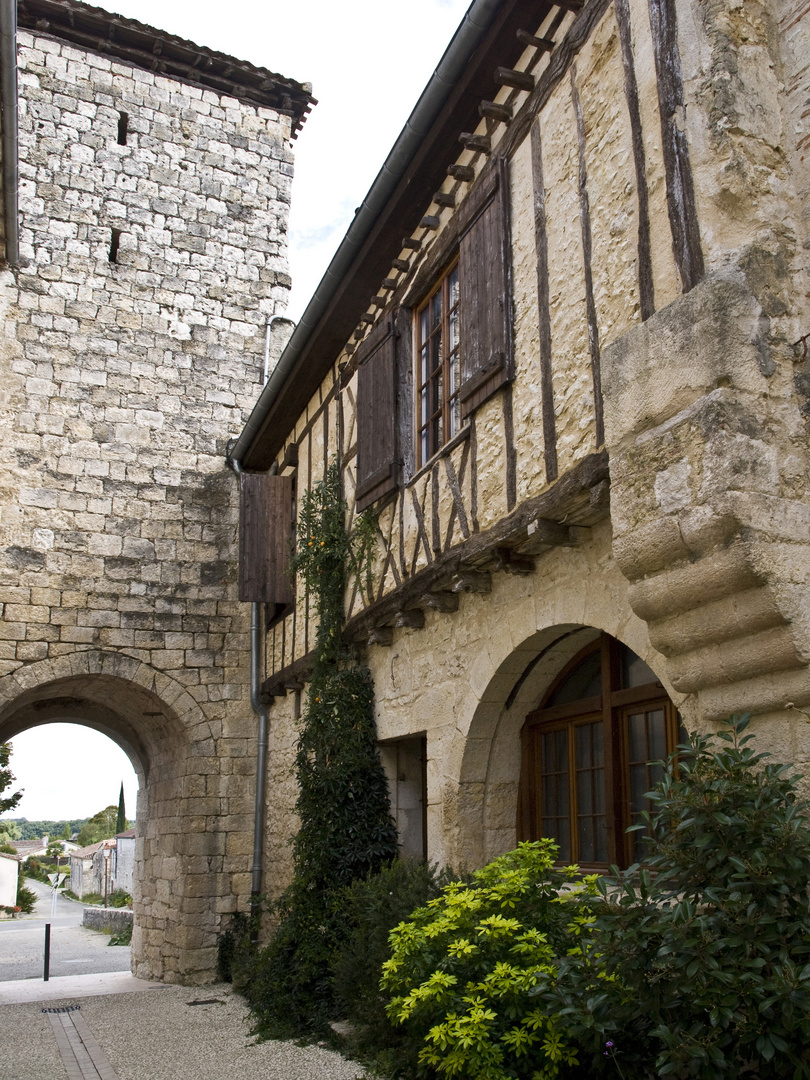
(346, 831)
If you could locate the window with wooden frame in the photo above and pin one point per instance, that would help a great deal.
(424, 369)
(587, 756)
(438, 371)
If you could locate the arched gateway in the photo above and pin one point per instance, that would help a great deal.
(182, 841)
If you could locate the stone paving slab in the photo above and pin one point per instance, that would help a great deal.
(178, 1033)
(19, 991)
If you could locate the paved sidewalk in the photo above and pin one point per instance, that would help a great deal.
(116, 1027)
(20, 991)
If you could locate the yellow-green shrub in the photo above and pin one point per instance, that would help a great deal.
(463, 966)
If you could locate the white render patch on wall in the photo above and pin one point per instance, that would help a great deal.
(153, 254)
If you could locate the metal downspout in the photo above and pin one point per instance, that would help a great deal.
(8, 81)
(260, 710)
(256, 643)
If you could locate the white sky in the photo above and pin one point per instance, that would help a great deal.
(368, 61)
(68, 771)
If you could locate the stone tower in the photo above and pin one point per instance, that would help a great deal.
(154, 185)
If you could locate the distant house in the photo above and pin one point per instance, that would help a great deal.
(27, 849)
(89, 867)
(123, 866)
(9, 867)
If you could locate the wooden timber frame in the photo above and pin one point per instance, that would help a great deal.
(561, 516)
(374, 258)
(373, 303)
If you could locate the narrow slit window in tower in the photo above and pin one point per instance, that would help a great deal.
(115, 240)
(123, 125)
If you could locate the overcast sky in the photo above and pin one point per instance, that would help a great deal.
(368, 61)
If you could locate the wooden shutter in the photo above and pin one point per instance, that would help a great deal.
(265, 538)
(485, 280)
(377, 443)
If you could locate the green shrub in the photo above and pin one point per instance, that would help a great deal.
(34, 869)
(463, 967)
(698, 965)
(26, 899)
(371, 908)
(119, 898)
(235, 952)
(123, 937)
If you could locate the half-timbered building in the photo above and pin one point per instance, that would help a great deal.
(561, 358)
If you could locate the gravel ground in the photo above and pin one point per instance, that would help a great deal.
(157, 1035)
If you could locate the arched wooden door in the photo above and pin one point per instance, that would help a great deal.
(587, 755)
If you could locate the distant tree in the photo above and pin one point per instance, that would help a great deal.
(6, 780)
(100, 827)
(9, 830)
(121, 820)
(66, 833)
(33, 830)
(55, 850)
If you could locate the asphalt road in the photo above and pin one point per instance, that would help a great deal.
(75, 950)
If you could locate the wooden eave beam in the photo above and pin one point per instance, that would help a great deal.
(424, 175)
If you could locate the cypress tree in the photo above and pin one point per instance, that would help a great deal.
(121, 822)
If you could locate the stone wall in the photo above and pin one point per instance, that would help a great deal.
(107, 920)
(132, 347)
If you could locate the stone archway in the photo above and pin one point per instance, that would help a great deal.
(488, 755)
(180, 845)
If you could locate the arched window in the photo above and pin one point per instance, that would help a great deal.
(586, 755)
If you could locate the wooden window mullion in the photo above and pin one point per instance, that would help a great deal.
(613, 750)
(612, 776)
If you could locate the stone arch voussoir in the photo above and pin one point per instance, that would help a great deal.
(167, 736)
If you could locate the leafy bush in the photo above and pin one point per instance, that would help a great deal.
(463, 967)
(234, 949)
(123, 937)
(26, 899)
(702, 968)
(34, 869)
(119, 898)
(371, 908)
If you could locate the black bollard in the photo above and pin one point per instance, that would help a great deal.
(46, 975)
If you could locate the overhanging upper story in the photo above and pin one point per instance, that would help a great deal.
(568, 181)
